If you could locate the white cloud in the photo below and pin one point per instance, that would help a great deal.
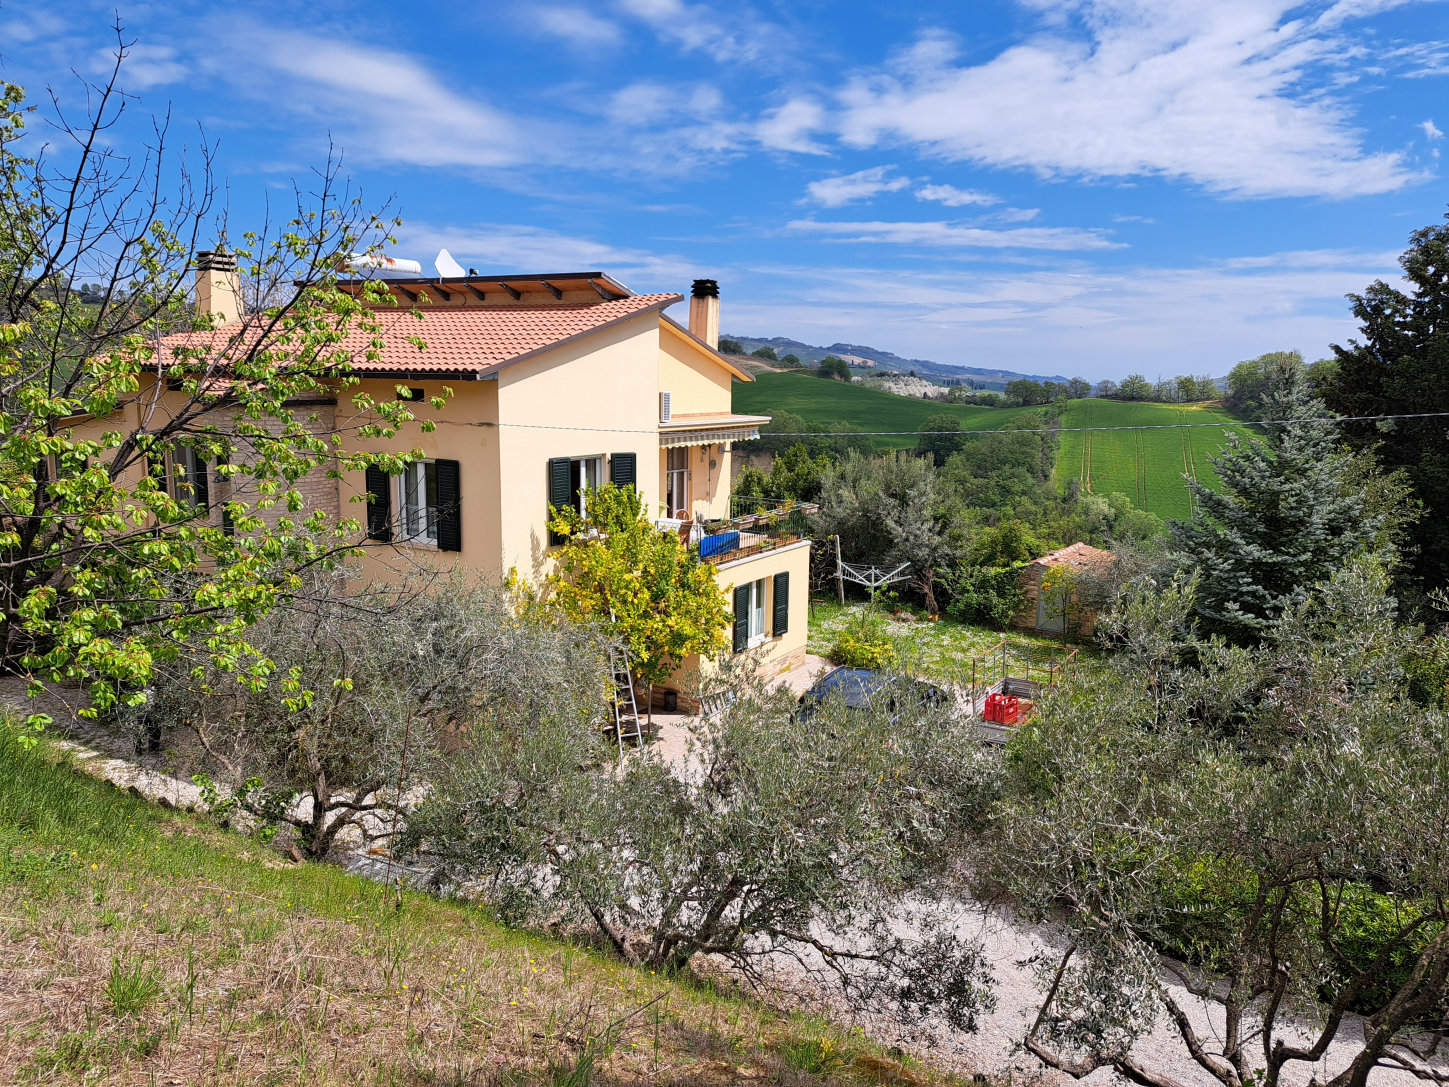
(1344, 10)
(576, 25)
(145, 66)
(504, 247)
(1219, 94)
(836, 192)
(1431, 130)
(1091, 322)
(1420, 59)
(789, 127)
(953, 197)
(387, 106)
(734, 34)
(957, 235)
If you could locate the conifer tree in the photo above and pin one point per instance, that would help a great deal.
(1283, 517)
(1401, 366)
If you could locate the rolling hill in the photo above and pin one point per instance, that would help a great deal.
(1146, 465)
(981, 377)
(820, 401)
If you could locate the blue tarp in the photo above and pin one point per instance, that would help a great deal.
(718, 544)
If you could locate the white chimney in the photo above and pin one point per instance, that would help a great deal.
(218, 286)
(704, 311)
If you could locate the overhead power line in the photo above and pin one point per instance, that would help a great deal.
(1226, 424)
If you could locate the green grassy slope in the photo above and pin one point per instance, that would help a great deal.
(821, 401)
(143, 945)
(1145, 465)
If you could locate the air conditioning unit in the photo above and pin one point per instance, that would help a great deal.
(664, 408)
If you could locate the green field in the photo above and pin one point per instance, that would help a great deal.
(821, 401)
(1146, 465)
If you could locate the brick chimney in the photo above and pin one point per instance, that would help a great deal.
(704, 311)
(218, 286)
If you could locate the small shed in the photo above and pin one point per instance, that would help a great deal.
(1058, 610)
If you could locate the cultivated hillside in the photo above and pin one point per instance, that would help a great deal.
(983, 377)
(1146, 465)
(829, 402)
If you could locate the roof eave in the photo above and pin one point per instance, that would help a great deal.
(593, 330)
(712, 352)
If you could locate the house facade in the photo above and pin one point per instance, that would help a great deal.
(556, 383)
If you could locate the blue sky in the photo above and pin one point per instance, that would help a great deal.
(1086, 187)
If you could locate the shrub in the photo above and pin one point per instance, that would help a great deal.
(1427, 669)
(864, 643)
(985, 594)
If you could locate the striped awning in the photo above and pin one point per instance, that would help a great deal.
(709, 430)
(673, 439)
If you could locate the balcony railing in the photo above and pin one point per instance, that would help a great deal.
(754, 525)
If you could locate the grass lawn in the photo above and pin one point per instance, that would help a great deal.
(822, 401)
(147, 946)
(1146, 465)
(940, 650)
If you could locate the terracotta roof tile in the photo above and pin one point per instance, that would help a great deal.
(468, 339)
(1079, 555)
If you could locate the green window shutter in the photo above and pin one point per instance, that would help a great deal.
(227, 525)
(201, 485)
(781, 620)
(449, 509)
(742, 617)
(560, 490)
(379, 508)
(624, 469)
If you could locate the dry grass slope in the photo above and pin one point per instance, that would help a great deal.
(146, 946)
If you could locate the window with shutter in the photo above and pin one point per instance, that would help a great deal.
(624, 469)
(560, 490)
(742, 617)
(379, 509)
(449, 508)
(781, 620)
(189, 483)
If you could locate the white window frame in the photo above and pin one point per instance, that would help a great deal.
(676, 480)
(759, 592)
(585, 474)
(417, 517)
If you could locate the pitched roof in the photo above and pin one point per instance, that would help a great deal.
(471, 340)
(1078, 555)
(671, 325)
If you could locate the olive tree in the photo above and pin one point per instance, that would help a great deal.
(368, 692)
(772, 837)
(1246, 845)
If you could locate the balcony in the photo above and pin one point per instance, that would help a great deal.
(755, 525)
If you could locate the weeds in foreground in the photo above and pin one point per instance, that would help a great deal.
(144, 946)
(132, 989)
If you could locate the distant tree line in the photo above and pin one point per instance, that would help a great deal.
(1183, 389)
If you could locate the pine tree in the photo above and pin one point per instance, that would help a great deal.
(1402, 367)
(1283, 518)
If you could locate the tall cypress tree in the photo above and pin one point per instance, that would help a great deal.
(1402, 367)
(1283, 518)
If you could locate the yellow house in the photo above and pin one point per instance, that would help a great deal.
(559, 383)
